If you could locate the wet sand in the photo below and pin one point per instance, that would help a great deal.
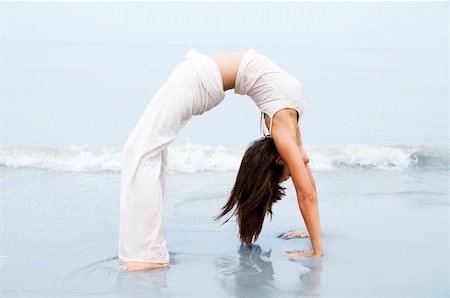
(384, 233)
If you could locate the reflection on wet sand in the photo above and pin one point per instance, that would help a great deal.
(89, 279)
(95, 279)
(149, 282)
(252, 274)
(310, 280)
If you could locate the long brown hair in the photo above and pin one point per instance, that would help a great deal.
(255, 190)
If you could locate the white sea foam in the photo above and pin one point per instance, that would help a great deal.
(361, 155)
(74, 158)
(192, 158)
(189, 158)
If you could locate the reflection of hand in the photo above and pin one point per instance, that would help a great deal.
(293, 234)
(300, 254)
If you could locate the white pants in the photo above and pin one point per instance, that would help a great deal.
(194, 87)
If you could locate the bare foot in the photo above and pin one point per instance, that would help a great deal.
(139, 266)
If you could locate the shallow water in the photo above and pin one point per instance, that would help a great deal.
(375, 127)
(384, 234)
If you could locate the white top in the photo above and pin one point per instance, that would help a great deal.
(270, 87)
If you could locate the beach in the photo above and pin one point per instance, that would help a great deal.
(378, 241)
(76, 77)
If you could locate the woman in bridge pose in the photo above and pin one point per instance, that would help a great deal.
(195, 86)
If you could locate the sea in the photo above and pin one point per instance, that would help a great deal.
(375, 128)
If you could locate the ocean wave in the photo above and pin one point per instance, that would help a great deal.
(192, 158)
(379, 157)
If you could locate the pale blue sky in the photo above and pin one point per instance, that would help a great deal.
(307, 24)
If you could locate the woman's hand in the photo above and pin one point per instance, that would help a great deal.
(293, 234)
(300, 254)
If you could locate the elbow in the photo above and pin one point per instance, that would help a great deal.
(307, 198)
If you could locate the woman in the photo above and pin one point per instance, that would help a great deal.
(195, 86)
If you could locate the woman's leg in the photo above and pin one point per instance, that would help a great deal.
(142, 241)
(142, 244)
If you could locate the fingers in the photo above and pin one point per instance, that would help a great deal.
(297, 254)
(285, 235)
(293, 234)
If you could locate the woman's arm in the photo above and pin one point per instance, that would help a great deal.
(284, 133)
(305, 157)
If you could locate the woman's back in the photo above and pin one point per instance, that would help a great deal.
(228, 64)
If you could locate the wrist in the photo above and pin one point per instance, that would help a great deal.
(318, 253)
(317, 246)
